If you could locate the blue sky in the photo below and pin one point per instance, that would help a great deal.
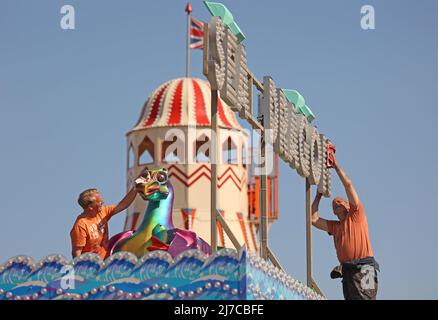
(67, 98)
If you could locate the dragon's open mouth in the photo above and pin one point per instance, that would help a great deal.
(152, 185)
(151, 190)
(148, 191)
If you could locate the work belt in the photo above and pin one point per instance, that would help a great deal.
(354, 265)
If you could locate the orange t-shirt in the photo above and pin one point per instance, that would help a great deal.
(351, 237)
(91, 233)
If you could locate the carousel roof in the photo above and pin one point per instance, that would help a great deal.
(183, 102)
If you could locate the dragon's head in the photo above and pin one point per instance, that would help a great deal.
(153, 184)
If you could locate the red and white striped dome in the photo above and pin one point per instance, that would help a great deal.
(182, 102)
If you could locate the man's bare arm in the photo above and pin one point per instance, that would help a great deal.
(126, 201)
(128, 198)
(318, 222)
(76, 252)
(353, 198)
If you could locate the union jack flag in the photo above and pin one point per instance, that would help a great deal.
(196, 34)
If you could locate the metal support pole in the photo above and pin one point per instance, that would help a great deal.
(213, 162)
(274, 260)
(188, 47)
(308, 234)
(228, 231)
(263, 200)
(310, 282)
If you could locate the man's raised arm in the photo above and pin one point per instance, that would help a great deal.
(126, 201)
(318, 222)
(128, 198)
(353, 198)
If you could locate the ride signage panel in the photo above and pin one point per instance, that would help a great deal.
(286, 118)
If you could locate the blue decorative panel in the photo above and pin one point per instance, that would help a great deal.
(226, 275)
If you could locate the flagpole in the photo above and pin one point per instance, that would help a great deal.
(188, 10)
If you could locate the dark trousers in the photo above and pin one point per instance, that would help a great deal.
(359, 283)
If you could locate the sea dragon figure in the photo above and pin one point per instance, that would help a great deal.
(157, 231)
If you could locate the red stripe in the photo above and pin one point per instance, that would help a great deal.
(188, 185)
(208, 169)
(221, 233)
(235, 175)
(155, 107)
(190, 175)
(197, 33)
(175, 113)
(222, 114)
(188, 218)
(220, 229)
(185, 178)
(232, 179)
(197, 46)
(201, 112)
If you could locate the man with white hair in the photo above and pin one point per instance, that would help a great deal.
(90, 231)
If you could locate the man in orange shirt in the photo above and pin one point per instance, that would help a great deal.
(352, 242)
(90, 231)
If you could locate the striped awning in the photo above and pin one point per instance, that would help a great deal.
(184, 102)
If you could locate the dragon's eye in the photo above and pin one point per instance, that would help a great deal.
(161, 177)
(146, 175)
